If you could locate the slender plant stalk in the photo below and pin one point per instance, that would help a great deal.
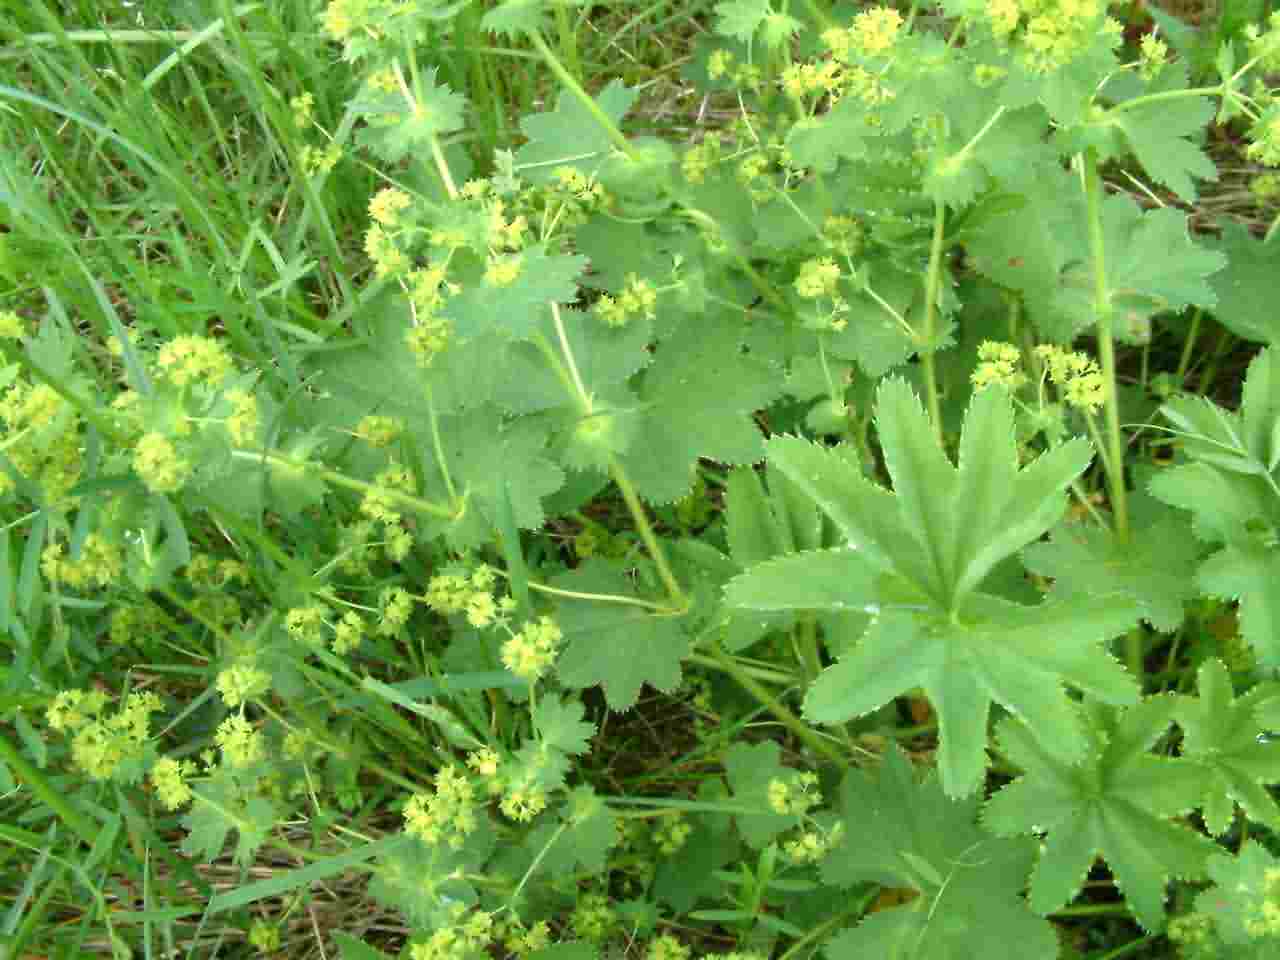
(788, 719)
(932, 284)
(1104, 314)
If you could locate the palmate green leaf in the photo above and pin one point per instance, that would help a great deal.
(749, 769)
(1161, 135)
(1245, 288)
(427, 884)
(1155, 565)
(1152, 266)
(968, 884)
(697, 400)
(1115, 804)
(911, 562)
(518, 18)
(1028, 248)
(1248, 573)
(1231, 490)
(481, 451)
(561, 726)
(569, 135)
(225, 805)
(1220, 732)
(395, 129)
(619, 646)
(516, 309)
(873, 338)
(1245, 897)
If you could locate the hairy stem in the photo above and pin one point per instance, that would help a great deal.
(1114, 462)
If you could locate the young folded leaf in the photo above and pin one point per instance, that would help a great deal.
(916, 558)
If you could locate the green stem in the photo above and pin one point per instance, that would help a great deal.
(1106, 345)
(641, 518)
(806, 637)
(1188, 345)
(588, 101)
(932, 284)
(767, 676)
(351, 483)
(774, 706)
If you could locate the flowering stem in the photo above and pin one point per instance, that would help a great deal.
(600, 597)
(1114, 460)
(588, 101)
(789, 720)
(932, 284)
(534, 865)
(351, 483)
(568, 372)
(645, 529)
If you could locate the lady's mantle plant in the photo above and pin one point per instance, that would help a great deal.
(893, 203)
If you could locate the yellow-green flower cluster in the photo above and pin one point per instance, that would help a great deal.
(530, 653)
(1264, 920)
(381, 248)
(348, 632)
(307, 623)
(317, 161)
(206, 574)
(503, 269)
(41, 436)
(1055, 31)
(844, 235)
(242, 421)
(395, 606)
(379, 431)
(874, 32)
(998, 363)
(169, 781)
(577, 187)
(505, 233)
(100, 563)
(450, 593)
(1264, 136)
(241, 682)
(818, 277)
(240, 742)
(522, 801)
(11, 326)
(158, 465)
(379, 502)
(1076, 375)
(135, 622)
(446, 814)
(593, 919)
(795, 796)
(386, 205)
(102, 741)
(701, 157)
(807, 79)
(264, 937)
(428, 338)
(638, 298)
(1265, 44)
(667, 947)
(671, 833)
(1153, 55)
(460, 940)
(523, 942)
(810, 846)
(192, 359)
